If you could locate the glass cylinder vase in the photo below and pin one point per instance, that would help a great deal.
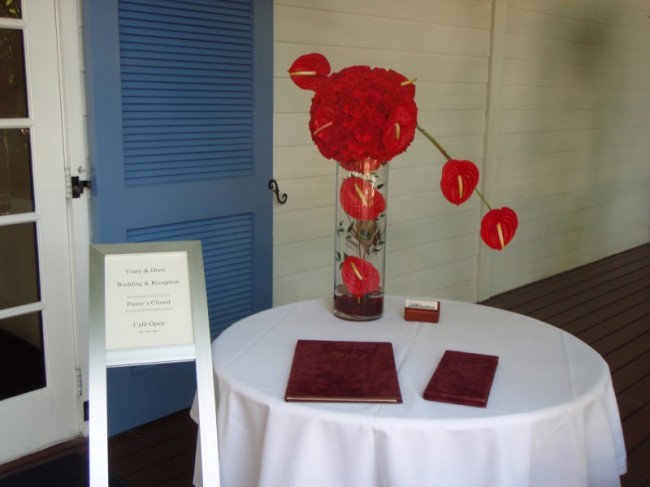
(360, 240)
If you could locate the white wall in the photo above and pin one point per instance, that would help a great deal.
(549, 98)
(570, 133)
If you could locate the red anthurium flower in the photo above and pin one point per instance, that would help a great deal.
(360, 199)
(359, 276)
(308, 71)
(400, 129)
(459, 178)
(322, 124)
(498, 227)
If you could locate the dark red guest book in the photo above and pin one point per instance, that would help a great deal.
(338, 371)
(462, 378)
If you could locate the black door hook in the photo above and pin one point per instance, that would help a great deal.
(273, 186)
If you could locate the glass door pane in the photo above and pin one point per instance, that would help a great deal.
(11, 9)
(18, 257)
(22, 365)
(13, 102)
(16, 187)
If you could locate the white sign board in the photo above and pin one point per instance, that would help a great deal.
(147, 300)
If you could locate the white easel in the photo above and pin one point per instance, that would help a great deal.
(196, 348)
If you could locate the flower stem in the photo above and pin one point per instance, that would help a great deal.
(433, 141)
(483, 199)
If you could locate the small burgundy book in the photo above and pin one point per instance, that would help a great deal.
(462, 378)
(340, 371)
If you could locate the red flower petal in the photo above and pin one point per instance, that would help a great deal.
(360, 199)
(359, 276)
(309, 71)
(400, 129)
(498, 227)
(459, 178)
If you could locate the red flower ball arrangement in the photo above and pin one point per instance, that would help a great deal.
(362, 118)
(358, 113)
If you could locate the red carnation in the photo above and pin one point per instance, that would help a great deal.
(361, 200)
(359, 276)
(498, 227)
(309, 71)
(459, 178)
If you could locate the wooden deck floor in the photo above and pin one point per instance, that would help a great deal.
(606, 304)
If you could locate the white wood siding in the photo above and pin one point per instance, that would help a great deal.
(568, 134)
(549, 98)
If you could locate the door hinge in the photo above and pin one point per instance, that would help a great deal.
(75, 185)
(79, 382)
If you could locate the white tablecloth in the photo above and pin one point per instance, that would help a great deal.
(551, 419)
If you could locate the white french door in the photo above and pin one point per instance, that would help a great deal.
(38, 384)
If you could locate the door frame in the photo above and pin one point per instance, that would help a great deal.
(71, 69)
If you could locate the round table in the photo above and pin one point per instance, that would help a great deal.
(551, 418)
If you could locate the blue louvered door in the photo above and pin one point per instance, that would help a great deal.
(180, 115)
